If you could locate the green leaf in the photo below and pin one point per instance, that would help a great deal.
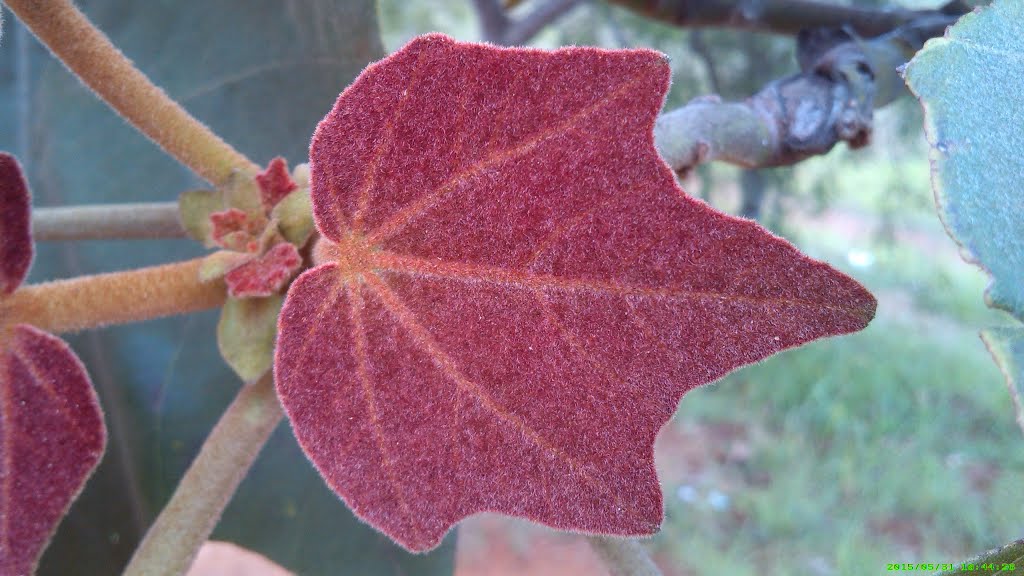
(194, 209)
(245, 334)
(1007, 559)
(221, 262)
(971, 84)
(261, 73)
(243, 193)
(1007, 347)
(294, 214)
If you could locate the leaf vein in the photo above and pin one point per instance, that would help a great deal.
(6, 410)
(573, 341)
(385, 143)
(44, 383)
(418, 207)
(359, 336)
(475, 273)
(407, 319)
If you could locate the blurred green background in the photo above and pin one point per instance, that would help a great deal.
(897, 444)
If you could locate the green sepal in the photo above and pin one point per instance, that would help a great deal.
(243, 192)
(245, 334)
(300, 175)
(194, 209)
(219, 263)
(294, 214)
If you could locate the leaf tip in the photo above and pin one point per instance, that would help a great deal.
(275, 183)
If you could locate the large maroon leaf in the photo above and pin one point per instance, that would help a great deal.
(514, 293)
(15, 238)
(51, 429)
(51, 437)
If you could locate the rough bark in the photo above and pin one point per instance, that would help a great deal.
(783, 16)
(843, 79)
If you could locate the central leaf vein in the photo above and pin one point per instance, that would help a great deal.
(525, 280)
(423, 338)
(397, 222)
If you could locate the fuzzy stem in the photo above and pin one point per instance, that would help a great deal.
(623, 556)
(173, 541)
(114, 298)
(89, 54)
(109, 221)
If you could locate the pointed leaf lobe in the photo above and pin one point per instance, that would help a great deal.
(514, 293)
(275, 183)
(51, 438)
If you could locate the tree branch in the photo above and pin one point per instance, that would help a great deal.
(832, 100)
(89, 54)
(120, 221)
(783, 16)
(700, 48)
(521, 31)
(493, 20)
(172, 542)
(497, 27)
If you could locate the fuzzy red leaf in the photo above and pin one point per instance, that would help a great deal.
(516, 294)
(15, 235)
(275, 183)
(264, 275)
(51, 438)
(235, 230)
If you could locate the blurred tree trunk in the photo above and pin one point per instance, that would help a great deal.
(497, 27)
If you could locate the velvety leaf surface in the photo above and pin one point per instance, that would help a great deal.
(971, 84)
(15, 221)
(245, 334)
(275, 183)
(261, 73)
(515, 293)
(266, 274)
(51, 437)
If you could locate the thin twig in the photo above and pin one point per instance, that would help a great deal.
(522, 30)
(493, 20)
(497, 27)
(172, 542)
(700, 48)
(114, 298)
(790, 119)
(90, 55)
(782, 16)
(623, 556)
(111, 221)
